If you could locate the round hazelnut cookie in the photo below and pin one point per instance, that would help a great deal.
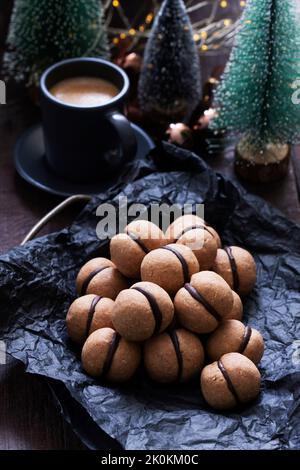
(173, 356)
(237, 266)
(216, 235)
(87, 314)
(100, 276)
(105, 354)
(202, 304)
(234, 336)
(128, 249)
(231, 381)
(196, 236)
(170, 267)
(142, 311)
(237, 310)
(190, 222)
(203, 245)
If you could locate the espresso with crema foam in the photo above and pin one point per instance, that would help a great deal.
(84, 92)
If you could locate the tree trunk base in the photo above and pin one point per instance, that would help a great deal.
(272, 166)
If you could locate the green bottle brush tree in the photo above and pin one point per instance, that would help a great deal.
(170, 82)
(43, 32)
(255, 98)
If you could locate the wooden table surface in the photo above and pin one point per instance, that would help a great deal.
(29, 419)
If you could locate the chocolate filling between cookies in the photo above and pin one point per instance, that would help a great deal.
(110, 354)
(246, 339)
(229, 383)
(91, 313)
(154, 308)
(197, 296)
(175, 341)
(193, 227)
(88, 279)
(185, 268)
(234, 270)
(133, 237)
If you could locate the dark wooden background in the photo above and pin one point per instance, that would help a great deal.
(28, 418)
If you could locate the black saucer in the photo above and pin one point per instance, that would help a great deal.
(30, 163)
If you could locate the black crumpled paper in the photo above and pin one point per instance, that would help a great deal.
(37, 286)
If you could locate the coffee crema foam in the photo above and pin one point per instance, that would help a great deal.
(84, 92)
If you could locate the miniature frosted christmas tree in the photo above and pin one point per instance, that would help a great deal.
(255, 97)
(43, 32)
(170, 87)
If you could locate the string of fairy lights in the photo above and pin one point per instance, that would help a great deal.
(213, 27)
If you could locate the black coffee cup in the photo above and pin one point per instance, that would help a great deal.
(85, 144)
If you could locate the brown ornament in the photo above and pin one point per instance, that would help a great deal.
(233, 336)
(170, 267)
(202, 304)
(142, 311)
(105, 354)
(100, 276)
(87, 314)
(193, 232)
(233, 380)
(180, 134)
(128, 249)
(173, 356)
(237, 266)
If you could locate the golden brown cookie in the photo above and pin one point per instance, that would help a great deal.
(237, 266)
(187, 221)
(192, 231)
(100, 276)
(173, 356)
(237, 310)
(202, 304)
(170, 267)
(233, 336)
(142, 311)
(128, 249)
(105, 354)
(87, 314)
(229, 382)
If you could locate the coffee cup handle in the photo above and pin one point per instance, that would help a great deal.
(125, 132)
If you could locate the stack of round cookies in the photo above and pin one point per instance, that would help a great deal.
(171, 301)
